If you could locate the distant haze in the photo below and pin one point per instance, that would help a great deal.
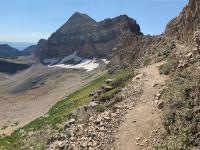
(18, 45)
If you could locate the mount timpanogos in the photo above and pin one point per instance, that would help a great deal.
(120, 36)
(87, 37)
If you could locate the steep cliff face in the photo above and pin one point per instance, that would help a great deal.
(88, 37)
(183, 26)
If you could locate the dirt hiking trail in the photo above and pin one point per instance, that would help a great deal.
(142, 122)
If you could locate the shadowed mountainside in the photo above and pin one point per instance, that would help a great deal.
(8, 51)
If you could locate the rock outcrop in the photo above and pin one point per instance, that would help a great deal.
(88, 37)
(182, 27)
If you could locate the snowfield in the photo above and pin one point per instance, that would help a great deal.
(87, 64)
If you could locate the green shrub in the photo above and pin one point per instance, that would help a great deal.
(122, 78)
(100, 108)
(165, 51)
(147, 61)
(108, 95)
(168, 67)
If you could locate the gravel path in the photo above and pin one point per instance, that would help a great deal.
(138, 130)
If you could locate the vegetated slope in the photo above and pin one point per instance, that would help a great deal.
(44, 130)
(86, 36)
(181, 115)
(181, 112)
(30, 94)
(8, 51)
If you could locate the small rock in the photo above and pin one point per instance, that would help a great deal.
(99, 92)
(107, 118)
(141, 144)
(138, 77)
(189, 55)
(158, 96)
(109, 81)
(107, 88)
(138, 139)
(113, 114)
(92, 104)
(92, 94)
(72, 120)
(155, 84)
(160, 104)
(84, 144)
(102, 128)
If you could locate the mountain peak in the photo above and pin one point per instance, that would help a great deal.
(77, 14)
(77, 20)
(80, 18)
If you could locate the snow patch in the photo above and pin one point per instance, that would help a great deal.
(105, 61)
(86, 64)
(71, 57)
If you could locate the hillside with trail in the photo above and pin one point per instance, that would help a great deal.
(133, 123)
(107, 86)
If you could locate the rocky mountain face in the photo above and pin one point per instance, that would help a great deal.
(183, 26)
(8, 51)
(86, 36)
(132, 50)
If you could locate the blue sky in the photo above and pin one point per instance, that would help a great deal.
(30, 20)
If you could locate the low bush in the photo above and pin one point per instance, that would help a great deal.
(168, 67)
(121, 79)
(109, 95)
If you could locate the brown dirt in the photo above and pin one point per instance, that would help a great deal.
(137, 130)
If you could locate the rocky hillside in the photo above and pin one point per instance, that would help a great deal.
(86, 36)
(183, 26)
(29, 50)
(136, 49)
(8, 51)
